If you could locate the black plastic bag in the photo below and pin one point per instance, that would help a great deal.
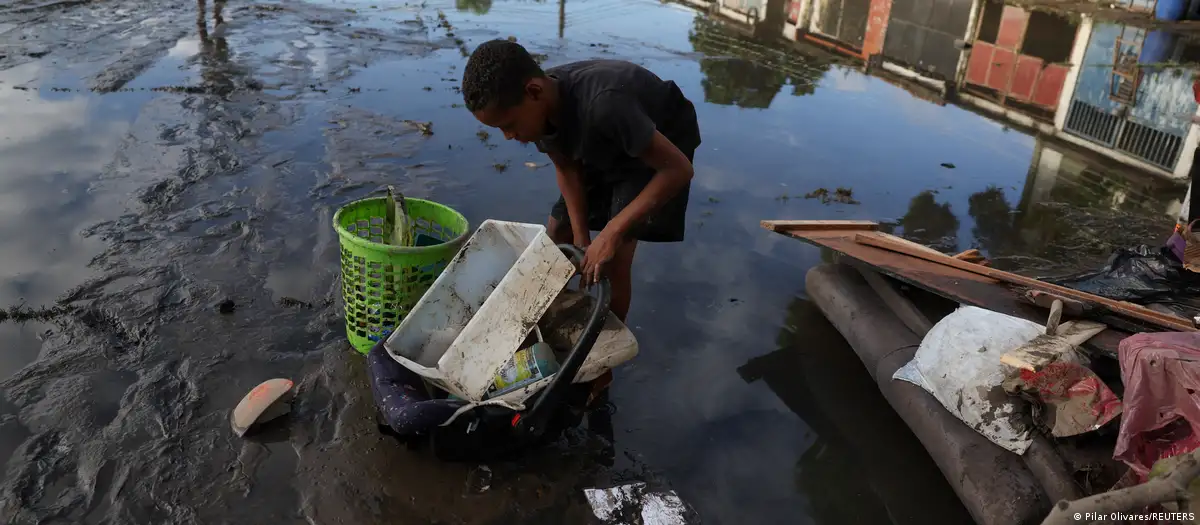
(1142, 275)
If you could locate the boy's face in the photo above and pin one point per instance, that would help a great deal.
(524, 122)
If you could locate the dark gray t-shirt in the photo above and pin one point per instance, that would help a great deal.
(609, 111)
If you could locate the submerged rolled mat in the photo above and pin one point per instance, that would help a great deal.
(401, 397)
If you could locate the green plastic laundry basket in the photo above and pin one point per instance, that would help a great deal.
(381, 282)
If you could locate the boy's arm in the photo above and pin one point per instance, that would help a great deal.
(672, 171)
(618, 116)
(570, 183)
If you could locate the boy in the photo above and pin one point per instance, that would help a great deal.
(621, 139)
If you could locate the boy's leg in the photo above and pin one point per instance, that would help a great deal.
(559, 230)
(599, 414)
(619, 272)
(620, 276)
(600, 409)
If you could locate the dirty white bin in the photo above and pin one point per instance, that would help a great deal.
(480, 309)
(562, 325)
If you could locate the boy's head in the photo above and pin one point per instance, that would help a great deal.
(505, 88)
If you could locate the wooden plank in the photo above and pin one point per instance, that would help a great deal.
(794, 226)
(1141, 313)
(950, 283)
(915, 246)
(960, 286)
(787, 226)
(1070, 307)
(971, 256)
(1045, 349)
(1056, 309)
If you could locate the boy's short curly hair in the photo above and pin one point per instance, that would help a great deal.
(496, 74)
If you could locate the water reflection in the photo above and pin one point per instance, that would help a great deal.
(1132, 97)
(214, 50)
(1075, 213)
(735, 81)
(930, 222)
(53, 185)
(478, 7)
(848, 474)
(1063, 216)
(1068, 215)
(740, 70)
(1011, 43)
(220, 73)
(994, 227)
(1124, 90)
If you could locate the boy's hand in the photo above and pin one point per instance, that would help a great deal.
(599, 253)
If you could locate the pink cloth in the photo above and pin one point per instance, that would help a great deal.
(1161, 372)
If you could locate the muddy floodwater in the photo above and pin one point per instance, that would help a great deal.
(159, 158)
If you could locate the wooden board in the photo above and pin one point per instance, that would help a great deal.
(951, 283)
(791, 227)
(1122, 308)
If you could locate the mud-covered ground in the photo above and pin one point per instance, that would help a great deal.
(160, 158)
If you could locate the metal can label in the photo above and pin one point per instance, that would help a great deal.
(520, 370)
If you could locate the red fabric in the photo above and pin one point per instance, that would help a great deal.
(1077, 399)
(1161, 372)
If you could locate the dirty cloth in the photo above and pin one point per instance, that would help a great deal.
(1161, 373)
(1070, 399)
(1142, 275)
(959, 363)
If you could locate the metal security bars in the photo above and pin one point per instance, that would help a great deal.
(1154, 146)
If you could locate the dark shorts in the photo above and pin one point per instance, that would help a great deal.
(606, 198)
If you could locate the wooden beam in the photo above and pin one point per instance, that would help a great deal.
(1169, 322)
(973, 256)
(1070, 307)
(901, 306)
(1045, 349)
(799, 226)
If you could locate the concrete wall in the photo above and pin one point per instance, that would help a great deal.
(1190, 143)
(969, 36)
(1082, 37)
